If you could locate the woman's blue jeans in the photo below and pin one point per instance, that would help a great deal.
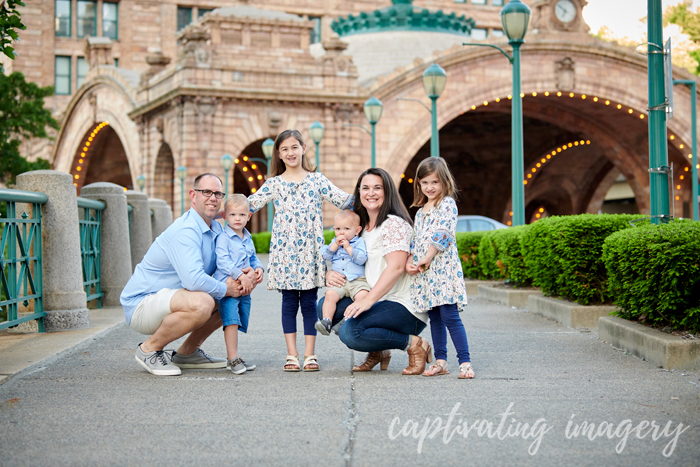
(387, 325)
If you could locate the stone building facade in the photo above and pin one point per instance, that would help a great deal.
(155, 98)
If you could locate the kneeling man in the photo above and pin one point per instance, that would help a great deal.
(172, 291)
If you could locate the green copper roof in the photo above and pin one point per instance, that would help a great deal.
(402, 16)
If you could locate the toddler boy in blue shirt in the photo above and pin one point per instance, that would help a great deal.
(235, 257)
(348, 254)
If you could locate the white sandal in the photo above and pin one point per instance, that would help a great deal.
(293, 363)
(464, 369)
(310, 361)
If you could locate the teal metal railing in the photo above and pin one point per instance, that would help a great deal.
(20, 259)
(90, 238)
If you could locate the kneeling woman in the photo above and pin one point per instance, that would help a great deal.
(385, 318)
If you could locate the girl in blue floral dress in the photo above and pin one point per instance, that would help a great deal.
(438, 283)
(296, 267)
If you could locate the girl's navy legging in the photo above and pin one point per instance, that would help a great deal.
(291, 299)
(447, 316)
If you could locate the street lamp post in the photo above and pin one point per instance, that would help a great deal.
(694, 135)
(515, 17)
(141, 181)
(373, 112)
(434, 80)
(181, 174)
(226, 163)
(267, 147)
(317, 129)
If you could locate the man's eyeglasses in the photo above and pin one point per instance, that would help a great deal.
(208, 193)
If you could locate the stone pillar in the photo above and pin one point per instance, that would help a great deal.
(162, 216)
(116, 252)
(141, 236)
(64, 296)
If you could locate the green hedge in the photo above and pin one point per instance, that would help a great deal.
(261, 240)
(564, 255)
(654, 273)
(500, 255)
(468, 249)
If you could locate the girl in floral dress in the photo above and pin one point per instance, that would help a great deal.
(296, 267)
(438, 283)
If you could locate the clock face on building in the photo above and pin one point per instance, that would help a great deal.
(565, 11)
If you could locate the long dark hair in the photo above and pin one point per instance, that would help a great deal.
(277, 166)
(393, 204)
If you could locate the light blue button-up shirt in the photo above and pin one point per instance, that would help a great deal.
(233, 254)
(182, 257)
(351, 266)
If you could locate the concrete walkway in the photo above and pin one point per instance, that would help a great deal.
(94, 405)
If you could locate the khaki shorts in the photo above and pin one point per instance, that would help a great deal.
(152, 311)
(351, 288)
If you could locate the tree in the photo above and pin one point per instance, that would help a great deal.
(10, 21)
(689, 23)
(22, 115)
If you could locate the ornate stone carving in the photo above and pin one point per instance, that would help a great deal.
(334, 61)
(98, 51)
(273, 120)
(565, 72)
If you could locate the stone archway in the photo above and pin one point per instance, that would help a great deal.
(606, 111)
(101, 158)
(164, 175)
(102, 104)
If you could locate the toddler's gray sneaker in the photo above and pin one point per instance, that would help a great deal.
(236, 366)
(323, 326)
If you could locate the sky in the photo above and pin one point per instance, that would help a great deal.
(623, 17)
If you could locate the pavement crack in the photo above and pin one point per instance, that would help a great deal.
(353, 418)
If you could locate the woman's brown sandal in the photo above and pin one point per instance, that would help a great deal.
(292, 363)
(437, 369)
(374, 358)
(466, 371)
(311, 363)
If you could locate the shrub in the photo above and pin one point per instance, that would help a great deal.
(654, 273)
(488, 256)
(468, 249)
(328, 236)
(564, 255)
(261, 240)
(500, 255)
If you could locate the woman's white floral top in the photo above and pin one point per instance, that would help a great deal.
(295, 261)
(443, 282)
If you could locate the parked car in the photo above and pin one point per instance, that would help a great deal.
(477, 223)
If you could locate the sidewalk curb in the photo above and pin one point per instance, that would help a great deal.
(473, 285)
(515, 298)
(657, 347)
(568, 313)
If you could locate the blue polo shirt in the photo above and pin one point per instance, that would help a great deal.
(182, 257)
(351, 266)
(233, 254)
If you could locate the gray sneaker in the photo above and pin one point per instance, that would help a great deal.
(156, 363)
(323, 326)
(336, 328)
(248, 366)
(198, 359)
(236, 366)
